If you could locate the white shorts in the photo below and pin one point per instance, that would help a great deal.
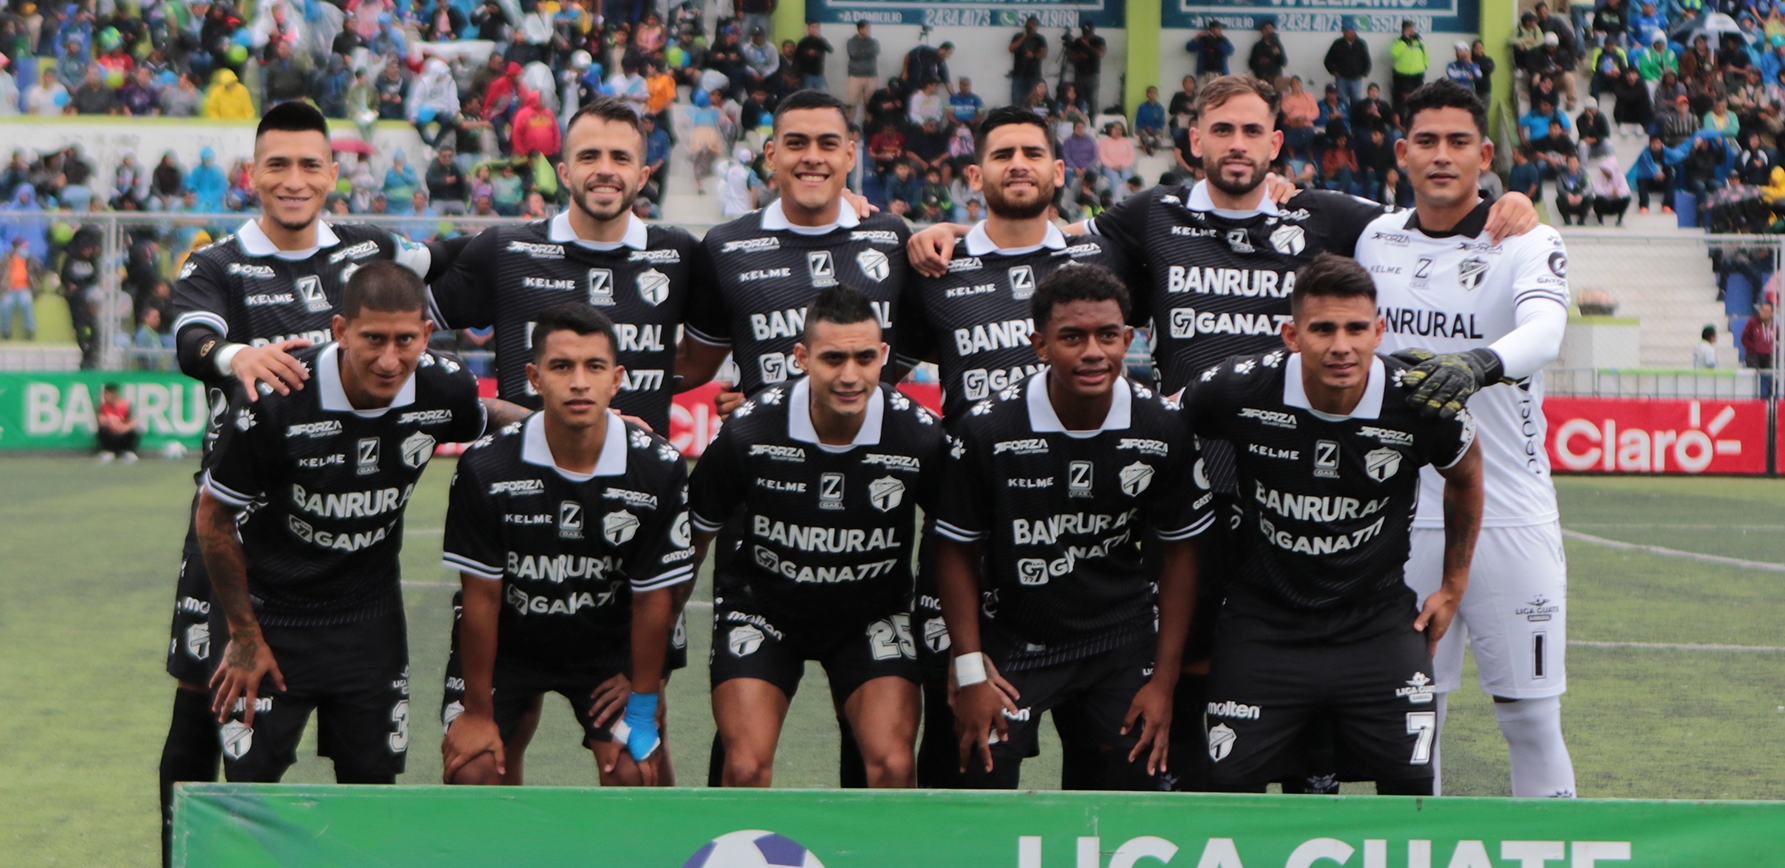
(1515, 613)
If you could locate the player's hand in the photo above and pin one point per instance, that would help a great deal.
(470, 736)
(928, 251)
(247, 661)
(1511, 215)
(610, 699)
(1434, 617)
(1279, 189)
(730, 397)
(979, 721)
(270, 367)
(1152, 707)
(860, 203)
(1006, 691)
(1442, 383)
(639, 732)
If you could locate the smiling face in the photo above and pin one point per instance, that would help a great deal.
(1443, 154)
(843, 361)
(604, 167)
(293, 173)
(812, 154)
(1237, 141)
(379, 350)
(1085, 342)
(1018, 172)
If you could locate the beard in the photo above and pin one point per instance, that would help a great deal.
(995, 202)
(1212, 170)
(581, 197)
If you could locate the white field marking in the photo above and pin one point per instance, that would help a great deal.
(425, 531)
(1668, 646)
(1673, 553)
(1771, 527)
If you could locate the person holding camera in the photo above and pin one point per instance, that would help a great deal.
(1028, 49)
(1086, 56)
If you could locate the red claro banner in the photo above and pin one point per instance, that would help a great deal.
(1664, 435)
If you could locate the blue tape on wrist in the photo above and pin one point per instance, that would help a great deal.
(641, 725)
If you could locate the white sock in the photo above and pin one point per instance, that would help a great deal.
(1441, 706)
(1541, 767)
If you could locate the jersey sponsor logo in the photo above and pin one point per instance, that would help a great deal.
(351, 504)
(1558, 264)
(1235, 710)
(309, 287)
(314, 336)
(875, 236)
(1029, 482)
(1221, 739)
(1273, 452)
(1239, 241)
(1470, 273)
(886, 493)
(822, 269)
(1025, 446)
(601, 287)
(778, 453)
(267, 299)
(1315, 507)
(1386, 435)
(873, 265)
(1379, 268)
(640, 499)
(526, 519)
(1022, 282)
(780, 485)
(618, 528)
(1135, 478)
(367, 451)
(357, 251)
(570, 520)
(425, 417)
(639, 337)
(1418, 690)
(964, 291)
(417, 449)
(1380, 464)
(1319, 545)
(540, 604)
(1186, 323)
(764, 274)
(1009, 334)
(964, 263)
(537, 251)
(1273, 418)
(1047, 531)
(824, 540)
(547, 283)
(1326, 459)
(656, 257)
(258, 272)
(1538, 610)
(827, 575)
(341, 542)
(681, 534)
(1393, 239)
(1078, 478)
(317, 462)
(774, 367)
(978, 383)
(1430, 323)
(238, 739)
(830, 491)
(557, 568)
(1289, 240)
(518, 486)
(642, 380)
(1144, 446)
(908, 463)
(312, 430)
(786, 323)
(1245, 282)
(1195, 231)
(751, 245)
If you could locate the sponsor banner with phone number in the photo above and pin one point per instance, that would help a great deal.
(1663, 435)
(1327, 16)
(243, 826)
(970, 13)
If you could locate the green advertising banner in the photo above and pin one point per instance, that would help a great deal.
(242, 826)
(60, 409)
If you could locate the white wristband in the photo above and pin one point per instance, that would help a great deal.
(225, 356)
(969, 669)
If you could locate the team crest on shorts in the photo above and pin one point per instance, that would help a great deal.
(238, 739)
(198, 641)
(744, 640)
(1221, 739)
(1418, 690)
(935, 635)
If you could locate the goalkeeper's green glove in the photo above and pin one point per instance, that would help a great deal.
(1441, 383)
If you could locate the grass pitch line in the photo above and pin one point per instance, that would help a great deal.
(1668, 646)
(1770, 527)
(1672, 553)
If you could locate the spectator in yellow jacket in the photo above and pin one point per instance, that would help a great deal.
(227, 98)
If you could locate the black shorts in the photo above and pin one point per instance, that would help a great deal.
(189, 651)
(354, 676)
(1090, 698)
(747, 644)
(515, 688)
(1374, 689)
(927, 626)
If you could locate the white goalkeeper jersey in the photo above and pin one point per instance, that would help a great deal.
(1454, 291)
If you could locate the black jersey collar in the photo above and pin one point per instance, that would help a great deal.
(799, 418)
(1199, 200)
(560, 232)
(775, 220)
(255, 242)
(612, 461)
(1368, 408)
(1043, 419)
(1469, 227)
(333, 396)
(979, 242)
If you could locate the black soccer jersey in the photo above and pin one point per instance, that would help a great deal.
(507, 275)
(1061, 516)
(827, 531)
(322, 486)
(976, 318)
(1217, 286)
(569, 548)
(1328, 501)
(755, 275)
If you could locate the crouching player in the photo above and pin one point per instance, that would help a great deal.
(827, 471)
(1318, 625)
(1060, 480)
(570, 533)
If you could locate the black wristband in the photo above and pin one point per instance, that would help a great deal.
(1492, 369)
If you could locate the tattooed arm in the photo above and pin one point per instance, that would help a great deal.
(247, 661)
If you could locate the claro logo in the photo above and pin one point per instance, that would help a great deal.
(1605, 445)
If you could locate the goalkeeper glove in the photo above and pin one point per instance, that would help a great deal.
(638, 728)
(1442, 383)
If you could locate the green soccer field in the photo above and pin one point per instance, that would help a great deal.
(91, 552)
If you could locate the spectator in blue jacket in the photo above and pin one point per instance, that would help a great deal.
(1212, 50)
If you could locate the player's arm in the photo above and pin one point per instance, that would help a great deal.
(462, 280)
(201, 326)
(706, 331)
(660, 565)
(499, 414)
(474, 732)
(930, 250)
(1463, 493)
(247, 661)
(1152, 705)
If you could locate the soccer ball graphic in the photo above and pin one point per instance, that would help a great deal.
(752, 848)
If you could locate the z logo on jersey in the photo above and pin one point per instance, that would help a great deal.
(822, 269)
(1326, 459)
(830, 491)
(1239, 242)
(1078, 479)
(601, 287)
(1022, 282)
(310, 288)
(368, 456)
(570, 520)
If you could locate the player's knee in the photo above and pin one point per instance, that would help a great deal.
(745, 769)
(893, 769)
(480, 772)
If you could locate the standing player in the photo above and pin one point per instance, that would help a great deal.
(1496, 313)
(974, 322)
(301, 524)
(570, 532)
(242, 307)
(1061, 479)
(1318, 623)
(827, 471)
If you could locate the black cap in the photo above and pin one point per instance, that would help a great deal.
(1406, 23)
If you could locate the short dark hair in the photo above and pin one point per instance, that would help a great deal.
(1216, 93)
(607, 108)
(802, 100)
(1443, 94)
(1331, 276)
(1009, 115)
(840, 304)
(1077, 283)
(383, 286)
(578, 317)
(860, 23)
(115, 389)
(292, 117)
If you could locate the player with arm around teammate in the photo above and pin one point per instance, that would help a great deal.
(827, 472)
(1480, 319)
(570, 532)
(1054, 485)
(1317, 622)
(301, 523)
